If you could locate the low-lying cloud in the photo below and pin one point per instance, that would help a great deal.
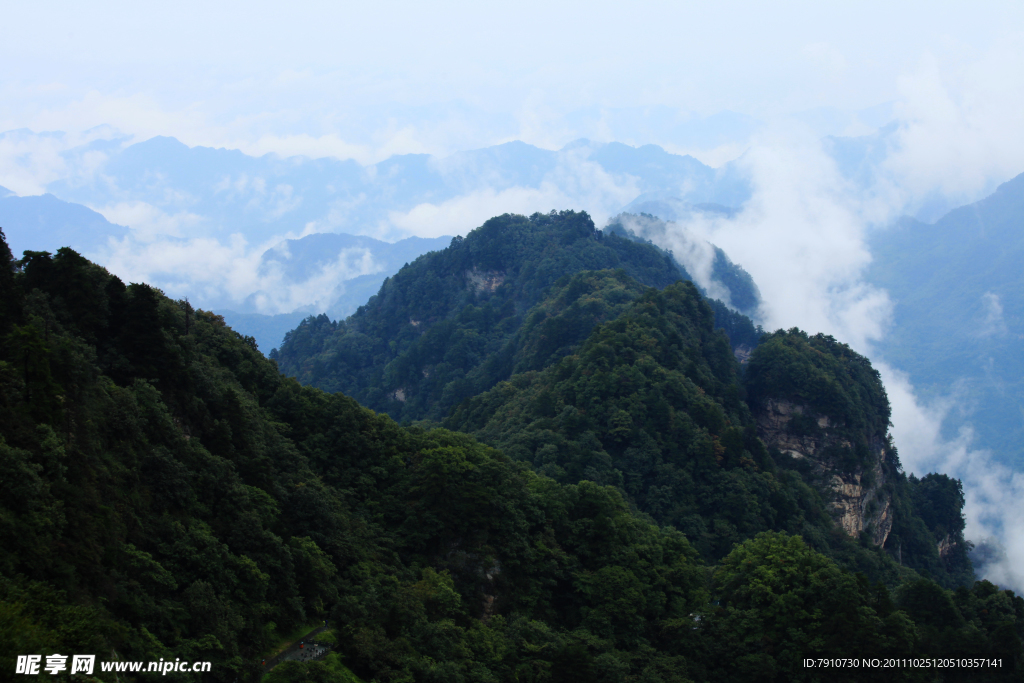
(575, 182)
(170, 251)
(803, 238)
(994, 493)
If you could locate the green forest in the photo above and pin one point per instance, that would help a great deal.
(533, 456)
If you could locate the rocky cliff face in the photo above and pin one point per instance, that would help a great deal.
(857, 496)
(947, 546)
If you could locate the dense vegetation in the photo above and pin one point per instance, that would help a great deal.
(835, 382)
(651, 403)
(444, 328)
(823, 374)
(165, 492)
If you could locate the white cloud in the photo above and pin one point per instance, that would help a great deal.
(314, 147)
(994, 323)
(30, 161)
(994, 493)
(695, 254)
(201, 268)
(801, 237)
(280, 294)
(215, 274)
(149, 223)
(575, 183)
(959, 132)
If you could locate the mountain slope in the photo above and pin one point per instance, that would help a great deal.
(651, 404)
(168, 494)
(165, 493)
(435, 333)
(966, 265)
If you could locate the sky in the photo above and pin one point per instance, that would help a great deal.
(367, 80)
(760, 82)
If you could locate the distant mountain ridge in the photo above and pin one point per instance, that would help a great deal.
(967, 265)
(216, 193)
(310, 261)
(297, 260)
(268, 195)
(45, 222)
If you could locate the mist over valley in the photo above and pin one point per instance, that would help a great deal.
(535, 345)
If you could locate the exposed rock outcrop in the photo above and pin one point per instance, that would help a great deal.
(857, 496)
(947, 546)
(742, 353)
(484, 280)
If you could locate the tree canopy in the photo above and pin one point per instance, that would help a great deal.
(166, 493)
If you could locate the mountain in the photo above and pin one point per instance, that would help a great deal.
(650, 402)
(226, 191)
(267, 331)
(587, 374)
(167, 494)
(46, 223)
(966, 265)
(329, 272)
(714, 272)
(320, 267)
(335, 273)
(445, 327)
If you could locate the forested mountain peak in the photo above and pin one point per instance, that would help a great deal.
(821, 403)
(444, 327)
(166, 493)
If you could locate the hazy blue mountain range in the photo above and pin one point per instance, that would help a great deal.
(668, 207)
(958, 286)
(219, 192)
(298, 263)
(296, 258)
(47, 223)
(265, 196)
(335, 273)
